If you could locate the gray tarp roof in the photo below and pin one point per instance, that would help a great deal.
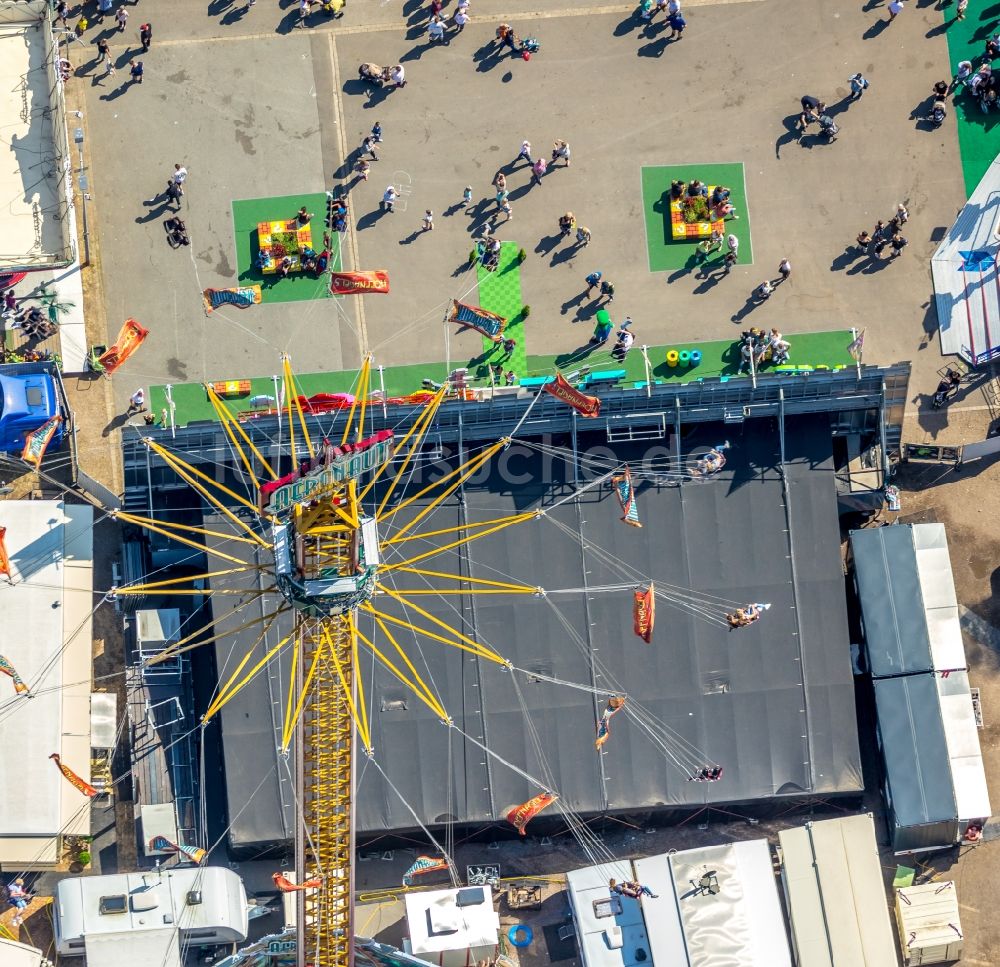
(914, 749)
(908, 602)
(774, 704)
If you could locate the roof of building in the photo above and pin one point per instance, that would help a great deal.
(156, 947)
(47, 639)
(966, 283)
(908, 603)
(14, 954)
(33, 222)
(436, 921)
(836, 898)
(773, 704)
(736, 918)
(148, 901)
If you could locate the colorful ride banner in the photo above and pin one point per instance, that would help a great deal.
(8, 669)
(474, 317)
(520, 816)
(424, 864)
(644, 613)
(359, 283)
(587, 406)
(242, 296)
(37, 441)
(130, 338)
(626, 497)
(194, 853)
(285, 885)
(85, 787)
(4, 558)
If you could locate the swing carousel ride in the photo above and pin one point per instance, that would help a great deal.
(350, 555)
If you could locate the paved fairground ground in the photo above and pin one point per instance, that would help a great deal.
(257, 107)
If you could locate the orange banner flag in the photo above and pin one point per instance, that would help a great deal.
(588, 406)
(644, 613)
(4, 559)
(130, 338)
(520, 816)
(85, 787)
(285, 885)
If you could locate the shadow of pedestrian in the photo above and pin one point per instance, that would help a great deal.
(371, 219)
(453, 209)
(415, 11)
(520, 191)
(791, 134)
(411, 238)
(748, 307)
(690, 264)
(576, 355)
(873, 265)
(288, 23)
(709, 282)
(941, 28)
(875, 29)
(850, 254)
(549, 242)
(117, 422)
(654, 49)
(630, 23)
(118, 91)
(216, 7)
(564, 255)
(570, 303)
(487, 57)
(840, 106)
(234, 15)
(416, 52)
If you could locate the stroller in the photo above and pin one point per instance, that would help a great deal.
(938, 114)
(373, 74)
(530, 45)
(828, 127)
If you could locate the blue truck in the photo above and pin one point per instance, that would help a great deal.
(27, 400)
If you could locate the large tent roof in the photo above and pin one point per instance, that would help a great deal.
(773, 703)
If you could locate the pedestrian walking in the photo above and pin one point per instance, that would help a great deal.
(145, 36)
(525, 153)
(879, 233)
(784, 270)
(593, 281)
(62, 11)
(135, 70)
(136, 402)
(19, 899)
(103, 9)
(435, 30)
(389, 197)
(764, 290)
(501, 197)
(875, 251)
(506, 208)
(174, 192)
(859, 84)
(733, 244)
(960, 9)
(895, 9)
(898, 244)
(863, 240)
(363, 168)
(607, 291)
(121, 15)
(708, 245)
(509, 345)
(729, 261)
(461, 18)
(676, 23)
(397, 75)
(179, 176)
(538, 169)
(467, 196)
(304, 6)
(560, 149)
(428, 222)
(567, 223)
(583, 236)
(368, 147)
(902, 214)
(109, 67)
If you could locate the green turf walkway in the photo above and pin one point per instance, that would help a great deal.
(664, 252)
(500, 292)
(248, 213)
(719, 359)
(978, 133)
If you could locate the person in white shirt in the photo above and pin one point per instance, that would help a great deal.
(179, 176)
(461, 18)
(389, 197)
(397, 75)
(435, 29)
(137, 401)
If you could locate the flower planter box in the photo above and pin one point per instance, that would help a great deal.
(276, 240)
(681, 230)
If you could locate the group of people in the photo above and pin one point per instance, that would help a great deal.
(814, 112)
(982, 82)
(707, 774)
(758, 347)
(712, 462)
(30, 320)
(505, 37)
(885, 235)
(718, 203)
(438, 23)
